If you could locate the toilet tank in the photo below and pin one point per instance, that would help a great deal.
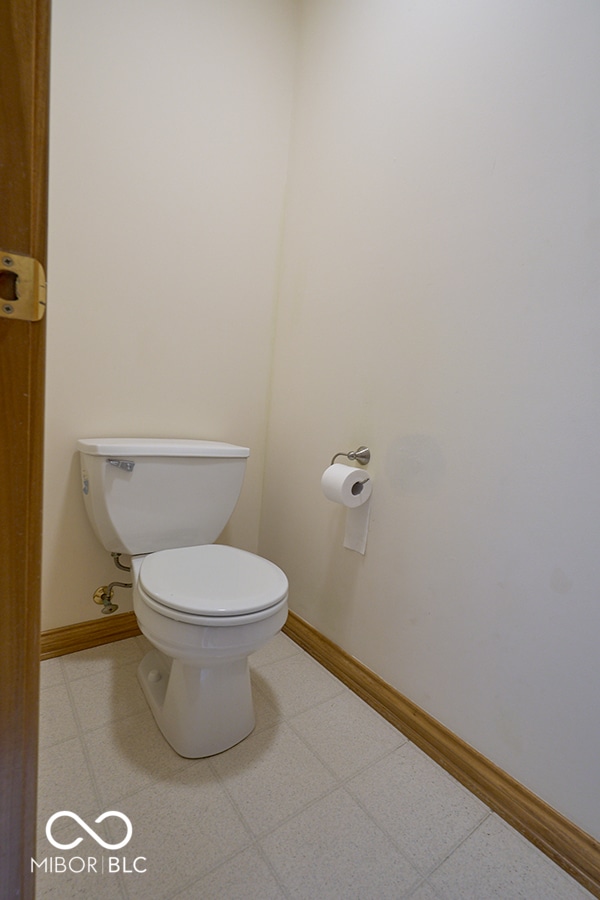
(145, 494)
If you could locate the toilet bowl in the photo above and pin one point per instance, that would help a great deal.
(205, 610)
(204, 607)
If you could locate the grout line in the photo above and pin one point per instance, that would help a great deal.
(423, 872)
(460, 843)
(343, 779)
(253, 846)
(260, 836)
(272, 870)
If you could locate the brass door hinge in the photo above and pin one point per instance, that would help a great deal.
(22, 287)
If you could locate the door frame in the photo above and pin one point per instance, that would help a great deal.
(24, 76)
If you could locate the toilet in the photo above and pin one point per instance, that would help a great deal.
(204, 607)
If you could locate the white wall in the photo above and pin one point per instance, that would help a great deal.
(169, 143)
(439, 303)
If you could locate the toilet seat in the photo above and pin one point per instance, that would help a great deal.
(212, 584)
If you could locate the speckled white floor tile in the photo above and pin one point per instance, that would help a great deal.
(298, 682)
(334, 850)
(102, 698)
(269, 818)
(424, 892)
(245, 877)
(272, 775)
(346, 733)
(65, 780)
(183, 830)
(51, 673)
(57, 720)
(99, 660)
(425, 810)
(85, 884)
(496, 862)
(143, 644)
(266, 710)
(279, 647)
(129, 755)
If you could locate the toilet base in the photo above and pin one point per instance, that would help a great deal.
(201, 710)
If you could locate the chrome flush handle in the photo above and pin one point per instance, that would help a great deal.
(127, 464)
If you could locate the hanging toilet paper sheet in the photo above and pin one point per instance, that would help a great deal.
(357, 527)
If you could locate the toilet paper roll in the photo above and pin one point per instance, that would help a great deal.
(346, 485)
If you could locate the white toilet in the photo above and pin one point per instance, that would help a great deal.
(203, 606)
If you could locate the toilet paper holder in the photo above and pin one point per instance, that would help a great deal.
(362, 455)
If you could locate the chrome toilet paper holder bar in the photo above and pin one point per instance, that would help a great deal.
(362, 455)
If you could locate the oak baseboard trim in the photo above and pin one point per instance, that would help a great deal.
(83, 635)
(572, 849)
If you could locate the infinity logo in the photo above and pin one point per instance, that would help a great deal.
(90, 831)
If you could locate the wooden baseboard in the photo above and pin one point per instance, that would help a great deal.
(84, 635)
(570, 847)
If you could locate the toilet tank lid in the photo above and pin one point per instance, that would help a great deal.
(158, 447)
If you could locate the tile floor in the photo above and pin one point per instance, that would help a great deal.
(324, 800)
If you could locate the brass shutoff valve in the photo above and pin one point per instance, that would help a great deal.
(103, 596)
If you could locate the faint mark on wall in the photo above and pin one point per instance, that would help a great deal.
(560, 581)
(415, 464)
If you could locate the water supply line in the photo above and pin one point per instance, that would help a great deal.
(103, 596)
(117, 561)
